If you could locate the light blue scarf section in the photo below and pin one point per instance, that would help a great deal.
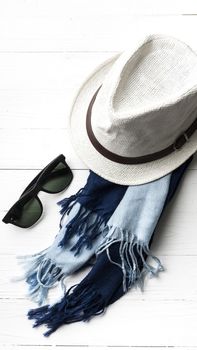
(46, 269)
(133, 223)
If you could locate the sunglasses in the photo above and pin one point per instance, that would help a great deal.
(54, 178)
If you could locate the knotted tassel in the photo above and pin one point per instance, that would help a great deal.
(41, 274)
(88, 234)
(80, 303)
(67, 204)
(133, 257)
(93, 211)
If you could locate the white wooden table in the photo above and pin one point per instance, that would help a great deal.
(47, 48)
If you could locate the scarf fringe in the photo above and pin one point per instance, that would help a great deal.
(68, 203)
(133, 273)
(41, 274)
(80, 303)
(87, 225)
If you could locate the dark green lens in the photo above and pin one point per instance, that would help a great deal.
(58, 179)
(29, 214)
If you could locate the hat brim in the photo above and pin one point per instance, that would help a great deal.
(123, 174)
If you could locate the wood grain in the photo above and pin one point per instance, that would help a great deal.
(47, 49)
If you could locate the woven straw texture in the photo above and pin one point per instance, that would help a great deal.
(148, 98)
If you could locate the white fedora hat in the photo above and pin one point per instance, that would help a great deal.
(134, 118)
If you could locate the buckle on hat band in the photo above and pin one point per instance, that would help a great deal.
(179, 142)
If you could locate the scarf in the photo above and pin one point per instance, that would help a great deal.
(83, 217)
(121, 254)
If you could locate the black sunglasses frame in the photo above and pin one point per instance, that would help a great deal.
(34, 187)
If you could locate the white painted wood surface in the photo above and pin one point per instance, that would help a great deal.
(47, 48)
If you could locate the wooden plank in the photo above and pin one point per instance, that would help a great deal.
(86, 31)
(26, 149)
(68, 347)
(37, 90)
(35, 148)
(178, 282)
(60, 9)
(171, 238)
(166, 323)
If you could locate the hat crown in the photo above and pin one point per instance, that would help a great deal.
(148, 97)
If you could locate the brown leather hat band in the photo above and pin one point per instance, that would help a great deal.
(180, 141)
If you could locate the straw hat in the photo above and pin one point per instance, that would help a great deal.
(134, 118)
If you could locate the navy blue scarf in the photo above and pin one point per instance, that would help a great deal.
(93, 198)
(97, 290)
